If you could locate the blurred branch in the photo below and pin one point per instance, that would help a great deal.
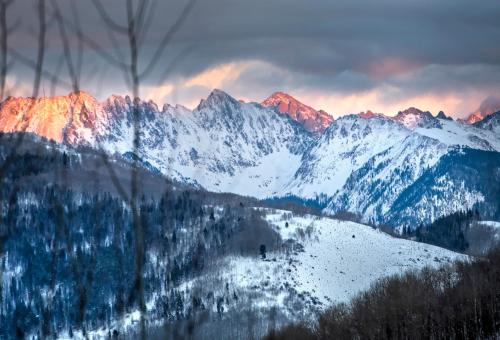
(168, 38)
(79, 55)
(41, 47)
(145, 21)
(92, 44)
(33, 65)
(67, 51)
(171, 66)
(54, 79)
(107, 19)
(3, 46)
(37, 66)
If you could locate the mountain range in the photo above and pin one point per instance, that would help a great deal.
(403, 170)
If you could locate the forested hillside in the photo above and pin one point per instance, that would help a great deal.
(71, 251)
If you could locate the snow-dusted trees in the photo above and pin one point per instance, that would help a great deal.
(70, 263)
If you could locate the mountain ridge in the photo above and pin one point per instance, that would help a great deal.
(361, 163)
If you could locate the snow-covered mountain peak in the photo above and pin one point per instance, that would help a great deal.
(166, 107)
(413, 117)
(217, 99)
(473, 118)
(313, 120)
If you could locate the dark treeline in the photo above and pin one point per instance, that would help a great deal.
(453, 302)
(68, 254)
(461, 231)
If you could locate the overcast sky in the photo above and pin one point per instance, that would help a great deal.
(341, 56)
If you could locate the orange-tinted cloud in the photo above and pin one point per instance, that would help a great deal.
(390, 66)
(375, 100)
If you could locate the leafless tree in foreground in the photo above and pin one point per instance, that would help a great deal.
(134, 30)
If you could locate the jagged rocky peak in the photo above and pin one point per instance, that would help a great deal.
(313, 120)
(413, 111)
(491, 122)
(413, 117)
(488, 106)
(60, 118)
(116, 102)
(217, 98)
(370, 114)
(442, 115)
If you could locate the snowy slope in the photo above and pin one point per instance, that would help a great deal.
(492, 224)
(372, 189)
(463, 179)
(454, 133)
(335, 261)
(344, 147)
(495, 227)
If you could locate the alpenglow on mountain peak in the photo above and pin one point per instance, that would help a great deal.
(315, 121)
(61, 118)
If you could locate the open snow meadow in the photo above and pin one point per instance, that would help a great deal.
(330, 260)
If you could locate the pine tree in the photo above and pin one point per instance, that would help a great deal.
(262, 250)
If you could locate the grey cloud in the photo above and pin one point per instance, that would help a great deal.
(340, 46)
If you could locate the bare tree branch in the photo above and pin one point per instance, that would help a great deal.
(148, 19)
(171, 66)
(67, 51)
(167, 38)
(78, 27)
(3, 46)
(99, 50)
(54, 80)
(41, 47)
(107, 19)
(33, 65)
